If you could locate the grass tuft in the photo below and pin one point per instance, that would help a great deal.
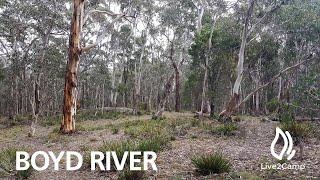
(155, 144)
(211, 164)
(226, 129)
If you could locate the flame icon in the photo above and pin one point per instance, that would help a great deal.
(287, 148)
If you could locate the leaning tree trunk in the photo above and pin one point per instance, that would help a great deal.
(70, 87)
(235, 98)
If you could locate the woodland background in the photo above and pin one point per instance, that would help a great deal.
(198, 68)
(135, 54)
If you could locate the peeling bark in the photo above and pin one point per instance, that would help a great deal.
(70, 87)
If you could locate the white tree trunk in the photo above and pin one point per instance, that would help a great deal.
(200, 16)
(241, 55)
(113, 81)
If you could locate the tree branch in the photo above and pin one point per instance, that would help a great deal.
(102, 35)
(272, 80)
(274, 8)
(102, 11)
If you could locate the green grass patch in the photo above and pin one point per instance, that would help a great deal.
(8, 164)
(228, 129)
(51, 120)
(18, 120)
(91, 115)
(211, 164)
(154, 144)
(55, 136)
(147, 129)
(90, 128)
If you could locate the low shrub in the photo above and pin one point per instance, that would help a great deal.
(19, 120)
(286, 113)
(297, 130)
(50, 120)
(155, 144)
(115, 130)
(227, 129)
(273, 105)
(147, 129)
(211, 164)
(195, 122)
(214, 116)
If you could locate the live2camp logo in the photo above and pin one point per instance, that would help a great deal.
(286, 154)
(287, 148)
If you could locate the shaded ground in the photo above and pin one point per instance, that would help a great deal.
(247, 149)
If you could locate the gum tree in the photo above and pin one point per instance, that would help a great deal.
(79, 18)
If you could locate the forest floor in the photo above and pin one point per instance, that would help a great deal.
(247, 148)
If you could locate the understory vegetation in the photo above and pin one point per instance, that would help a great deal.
(211, 164)
(161, 136)
(8, 165)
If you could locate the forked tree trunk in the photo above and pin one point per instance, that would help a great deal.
(234, 100)
(168, 86)
(70, 87)
(163, 98)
